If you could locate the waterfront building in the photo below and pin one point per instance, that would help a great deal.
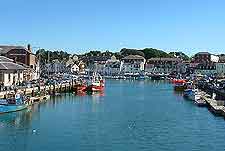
(98, 64)
(206, 63)
(112, 67)
(205, 57)
(165, 65)
(132, 64)
(56, 67)
(220, 66)
(81, 66)
(74, 69)
(22, 55)
(10, 72)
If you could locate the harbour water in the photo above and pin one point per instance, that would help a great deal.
(128, 116)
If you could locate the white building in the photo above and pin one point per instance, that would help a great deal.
(112, 67)
(10, 72)
(75, 68)
(132, 64)
(99, 67)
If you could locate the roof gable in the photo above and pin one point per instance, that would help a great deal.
(6, 49)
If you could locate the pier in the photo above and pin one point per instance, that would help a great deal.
(51, 89)
(215, 106)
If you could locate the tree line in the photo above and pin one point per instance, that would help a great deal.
(46, 56)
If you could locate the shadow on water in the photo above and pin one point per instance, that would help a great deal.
(16, 119)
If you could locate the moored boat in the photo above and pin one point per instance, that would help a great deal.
(192, 94)
(179, 84)
(97, 84)
(180, 87)
(81, 88)
(13, 103)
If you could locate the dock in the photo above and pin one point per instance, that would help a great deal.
(51, 89)
(215, 106)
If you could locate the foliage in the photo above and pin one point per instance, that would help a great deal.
(125, 52)
(179, 55)
(49, 56)
(154, 53)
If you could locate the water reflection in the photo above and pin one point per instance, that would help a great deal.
(16, 119)
(177, 93)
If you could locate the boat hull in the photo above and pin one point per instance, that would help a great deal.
(12, 108)
(192, 95)
(93, 88)
(180, 87)
(81, 88)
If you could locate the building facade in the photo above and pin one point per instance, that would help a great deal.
(22, 55)
(112, 67)
(206, 63)
(56, 67)
(165, 65)
(132, 64)
(10, 72)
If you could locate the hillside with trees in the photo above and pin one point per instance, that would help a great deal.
(48, 56)
(179, 55)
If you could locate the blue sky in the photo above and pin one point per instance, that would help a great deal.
(81, 25)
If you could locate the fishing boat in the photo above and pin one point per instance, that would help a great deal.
(13, 103)
(180, 87)
(96, 85)
(81, 87)
(179, 84)
(192, 94)
(195, 95)
(187, 93)
(178, 81)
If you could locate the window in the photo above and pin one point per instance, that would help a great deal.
(1, 77)
(9, 76)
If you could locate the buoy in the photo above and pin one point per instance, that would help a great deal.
(34, 130)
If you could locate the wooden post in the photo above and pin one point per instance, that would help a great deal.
(72, 86)
(54, 88)
(32, 94)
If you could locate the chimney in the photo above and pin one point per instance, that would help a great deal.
(29, 47)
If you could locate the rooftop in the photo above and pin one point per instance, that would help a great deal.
(222, 58)
(8, 64)
(5, 49)
(5, 59)
(133, 57)
(164, 59)
(203, 53)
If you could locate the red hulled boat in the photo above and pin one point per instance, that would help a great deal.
(97, 84)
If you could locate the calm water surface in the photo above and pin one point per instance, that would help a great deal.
(129, 116)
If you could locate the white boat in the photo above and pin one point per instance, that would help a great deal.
(194, 95)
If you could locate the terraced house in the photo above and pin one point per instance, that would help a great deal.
(206, 63)
(132, 64)
(165, 65)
